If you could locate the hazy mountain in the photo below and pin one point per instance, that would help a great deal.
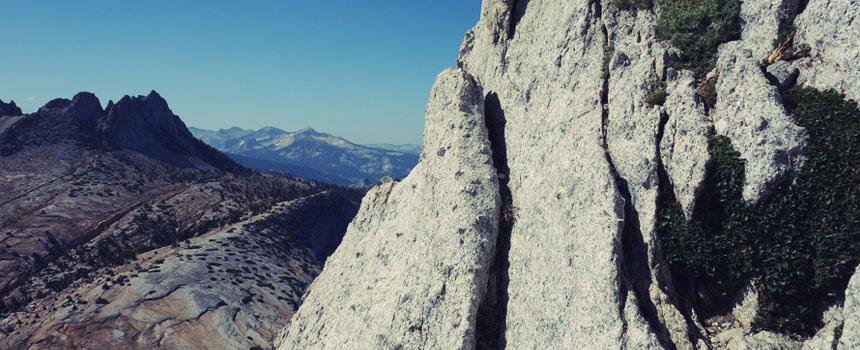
(311, 154)
(120, 230)
(405, 148)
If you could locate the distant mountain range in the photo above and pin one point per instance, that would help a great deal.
(311, 154)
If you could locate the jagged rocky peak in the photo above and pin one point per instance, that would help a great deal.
(9, 109)
(147, 125)
(146, 112)
(84, 106)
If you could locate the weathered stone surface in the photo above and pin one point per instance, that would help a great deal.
(632, 127)
(543, 61)
(746, 305)
(851, 314)
(413, 265)
(760, 20)
(750, 112)
(728, 335)
(684, 147)
(763, 341)
(782, 74)
(829, 29)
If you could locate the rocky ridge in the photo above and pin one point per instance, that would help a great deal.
(216, 290)
(91, 194)
(583, 157)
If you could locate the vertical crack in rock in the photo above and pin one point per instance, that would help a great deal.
(629, 131)
(604, 108)
(492, 314)
(412, 269)
(518, 10)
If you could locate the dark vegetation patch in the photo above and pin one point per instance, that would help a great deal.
(656, 97)
(633, 4)
(696, 27)
(800, 244)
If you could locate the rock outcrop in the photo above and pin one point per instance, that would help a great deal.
(584, 147)
(851, 314)
(411, 270)
(749, 110)
(9, 109)
(147, 125)
(546, 63)
(684, 146)
(829, 29)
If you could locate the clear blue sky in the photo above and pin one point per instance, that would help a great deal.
(358, 69)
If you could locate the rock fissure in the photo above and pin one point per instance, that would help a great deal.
(619, 183)
(492, 313)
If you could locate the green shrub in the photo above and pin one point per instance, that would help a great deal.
(801, 243)
(786, 27)
(656, 97)
(632, 4)
(710, 92)
(101, 301)
(698, 27)
(837, 335)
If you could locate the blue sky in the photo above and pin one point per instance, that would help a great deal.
(358, 69)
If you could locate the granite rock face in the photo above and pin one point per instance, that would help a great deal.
(684, 147)
(414, 263)
(545, 63)
(750, 112)
(851, 314)
(579, 153)
(829, 29)
(760, 19)
(763, 341)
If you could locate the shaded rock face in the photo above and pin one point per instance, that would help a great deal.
(9, 109)
(216, 291)
(147, 125)
(411, 269)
